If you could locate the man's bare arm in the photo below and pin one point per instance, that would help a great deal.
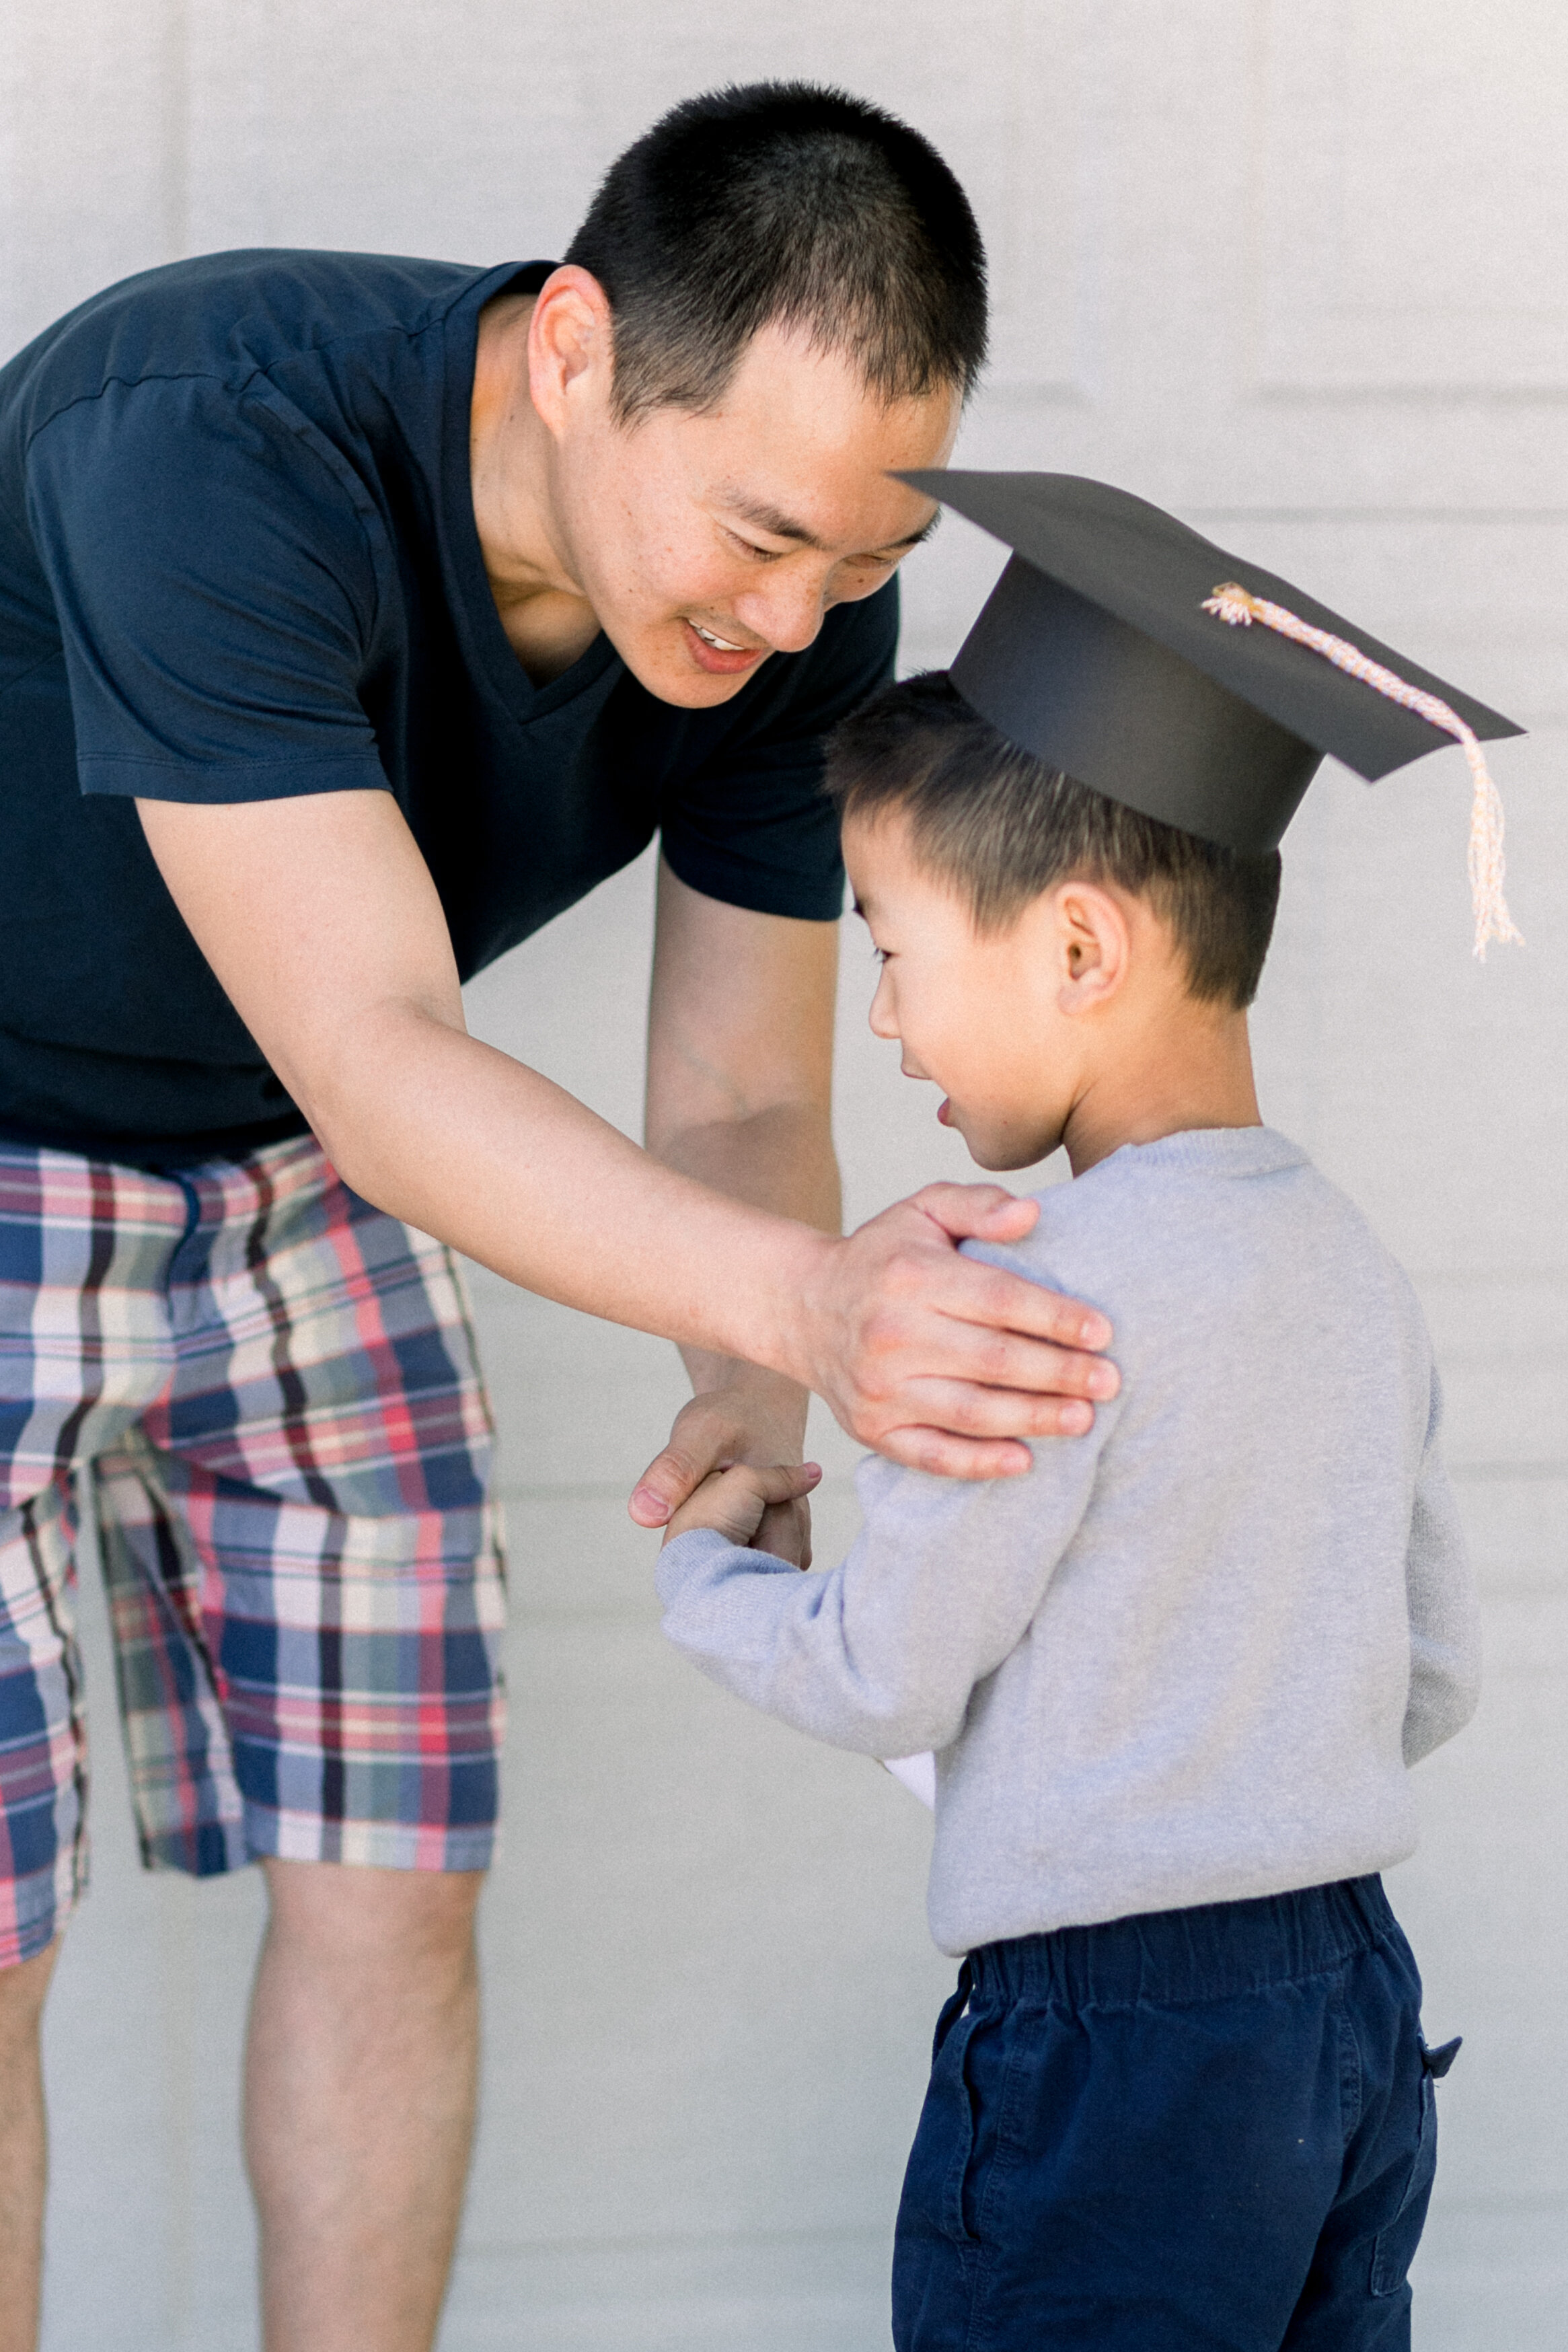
(320, 919)
(740, 1074)
(741, 1060)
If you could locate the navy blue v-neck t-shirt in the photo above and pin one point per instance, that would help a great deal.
(238, 561)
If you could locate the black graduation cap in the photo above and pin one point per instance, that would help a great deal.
(1103, 651)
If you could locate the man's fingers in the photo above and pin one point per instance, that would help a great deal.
(977, 1356)
(704, 1439)
(968, 1409)
(668, 1481)
(946, 1456)
(717, 1427)
(989, 1295)
(979, 1211)
(972, 1292)
(992, 1374)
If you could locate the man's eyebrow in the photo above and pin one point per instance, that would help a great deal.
(778, 525)
(772, 519)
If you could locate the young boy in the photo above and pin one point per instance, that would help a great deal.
(1174, 1677)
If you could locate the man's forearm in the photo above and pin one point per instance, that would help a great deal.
(464, 1142)
(780, 1159)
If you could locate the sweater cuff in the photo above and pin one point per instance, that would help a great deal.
(702, 1555)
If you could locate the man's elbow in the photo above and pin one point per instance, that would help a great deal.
(347, 1087)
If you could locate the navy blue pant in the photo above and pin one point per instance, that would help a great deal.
(1211, 2128)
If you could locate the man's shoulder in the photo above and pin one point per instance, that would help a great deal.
(230, 318)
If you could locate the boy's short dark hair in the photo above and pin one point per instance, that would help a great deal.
(784, 204)
(1002, 827)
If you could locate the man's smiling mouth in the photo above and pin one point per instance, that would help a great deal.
(721, 656)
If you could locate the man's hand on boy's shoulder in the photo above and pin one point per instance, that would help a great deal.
(735, 1503)
(941, 1362)
(945, 1363)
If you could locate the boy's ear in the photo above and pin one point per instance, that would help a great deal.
(1092, 946)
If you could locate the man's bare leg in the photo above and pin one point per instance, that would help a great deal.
(23, 2148)
(360, 2090)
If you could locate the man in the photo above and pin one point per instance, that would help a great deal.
(357, 615)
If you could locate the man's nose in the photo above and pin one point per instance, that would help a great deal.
(787, 610)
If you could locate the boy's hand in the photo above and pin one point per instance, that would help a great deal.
(733, 1502)
(751, 1416)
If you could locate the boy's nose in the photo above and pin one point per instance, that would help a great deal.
(883, 1019)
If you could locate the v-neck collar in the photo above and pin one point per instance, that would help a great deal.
(492, 649)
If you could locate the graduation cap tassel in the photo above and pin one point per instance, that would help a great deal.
(1240, 608)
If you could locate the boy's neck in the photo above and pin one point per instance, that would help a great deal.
(1196, 1071)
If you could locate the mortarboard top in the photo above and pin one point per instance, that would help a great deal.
(1103, 651)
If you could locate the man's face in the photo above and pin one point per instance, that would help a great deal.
(704, 542)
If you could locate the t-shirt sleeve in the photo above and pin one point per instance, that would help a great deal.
(212, 561)
(750, 825)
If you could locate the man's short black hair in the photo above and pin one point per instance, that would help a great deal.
(783, 204)
(1000, 827)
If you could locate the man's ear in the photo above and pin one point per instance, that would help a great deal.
(571, 345)
(1092, 946)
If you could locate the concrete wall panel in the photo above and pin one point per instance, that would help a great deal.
(1299, 273)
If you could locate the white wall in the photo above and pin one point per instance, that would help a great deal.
(1299, 273)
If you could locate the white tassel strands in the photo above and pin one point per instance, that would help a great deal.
(1240, 608)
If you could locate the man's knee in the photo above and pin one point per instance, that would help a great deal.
(371, 1920)
(22, 1991)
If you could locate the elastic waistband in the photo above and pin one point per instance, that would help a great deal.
(180, 1157)
(1213, 1952)
(41, 1182)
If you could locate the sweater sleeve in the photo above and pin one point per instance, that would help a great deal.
(1445, 1615)
(881, 1653)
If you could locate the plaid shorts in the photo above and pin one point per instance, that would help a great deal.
(266, 1393)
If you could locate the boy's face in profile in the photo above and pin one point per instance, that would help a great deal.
(1073, 1022)
(976, 1012)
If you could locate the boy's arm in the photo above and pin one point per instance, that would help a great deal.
(1445, 1615)
(881, 1653)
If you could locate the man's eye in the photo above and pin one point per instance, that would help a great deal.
(749, 547)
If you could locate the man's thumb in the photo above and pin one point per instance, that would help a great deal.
(664, 1485)
(979, 1211)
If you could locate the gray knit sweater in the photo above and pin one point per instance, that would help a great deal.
(1188, 1658)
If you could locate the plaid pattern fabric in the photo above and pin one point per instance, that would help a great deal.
(275, 1387)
